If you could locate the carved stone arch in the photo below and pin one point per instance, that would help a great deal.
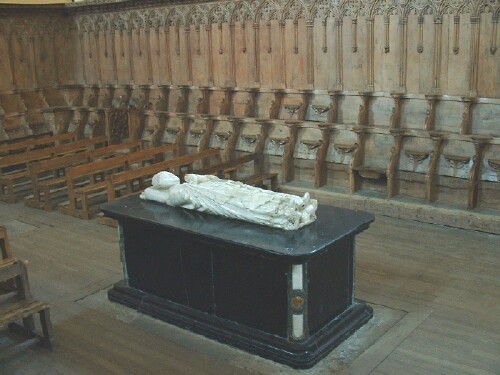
(136, 20)
(176, 17)
(295, 9)
(480, 6)
(83, 24)
(322, 9)
(267, 10)
(120, 22)
(197, 16)
(155, 19)
(101, 23)
(242, 12)
(352, 8)
(219, 13)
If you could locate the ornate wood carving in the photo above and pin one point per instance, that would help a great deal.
(392, 169)
(420, 45)
(339, 55)
(396, 111)
(465, 126)
(431, 175)
(475, 172)
(320, 170)
(438, 25)
(357, 158)
(256, 49)
(431, 113)
(493, 43)
(474, 50)
(370, 50)
(363, 109)
(288, 170)
(456, 34)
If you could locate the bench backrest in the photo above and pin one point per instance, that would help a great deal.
(161, 166)
(132, 174)
(104, 165)
(46, 140)
(115, 149)
(88, 143)
(24, 138)
(38, 167)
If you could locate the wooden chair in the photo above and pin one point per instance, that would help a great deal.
(22, 307)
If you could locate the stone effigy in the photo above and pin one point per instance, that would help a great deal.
(233, 199)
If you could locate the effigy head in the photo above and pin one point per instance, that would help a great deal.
(165, 180)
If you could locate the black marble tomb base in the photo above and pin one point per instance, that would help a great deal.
(284, 295)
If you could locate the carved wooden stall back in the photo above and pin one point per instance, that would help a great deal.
(361, 97)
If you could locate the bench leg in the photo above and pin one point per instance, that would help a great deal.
(85, 207)
(48, 337)
(47, 204)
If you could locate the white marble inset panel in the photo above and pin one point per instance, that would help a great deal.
(297, 276)
(298, 325)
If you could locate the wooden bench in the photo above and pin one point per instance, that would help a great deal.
(25, 138)
(18, 174)
(117, 183)
(48, 177)
(88, 181)
(47, 140)
(22, 307)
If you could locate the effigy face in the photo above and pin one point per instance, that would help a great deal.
(233, 199)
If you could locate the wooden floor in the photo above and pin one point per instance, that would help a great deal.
(439, 286)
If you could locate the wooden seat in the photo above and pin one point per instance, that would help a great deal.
(22, 307)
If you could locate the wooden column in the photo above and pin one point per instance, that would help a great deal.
(475, 171)
(282, 25)
(256, 27)
(54, 59)
(395, 120)
(310, 53)
(370, 50)
(10, 52)
(98, 55)
(436, 74)
(147, 31)
(168, 56)
(187, 35)
(210, 61)
(493, 43)
(232, 56)
(431, 113)
(32, 62)
(83, 57)
(288, 170)
(340, 68)
(466, 124)
(392, 169)
(131, 56)
(430, 177)
(357, 158)
(320, 173)
(113, 56)
(403, 52)
(233, 137)
(474, 50)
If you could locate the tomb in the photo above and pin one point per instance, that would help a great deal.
(284, 295)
